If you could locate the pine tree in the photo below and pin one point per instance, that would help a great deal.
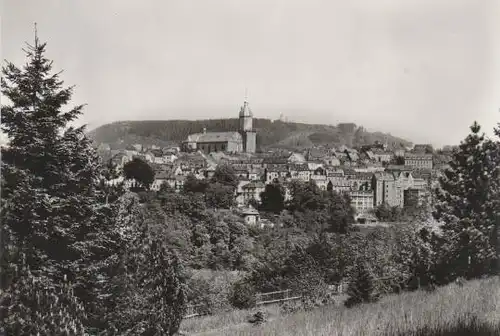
(273, 198)
(149, 291)
(33, 305)
(361, 286)
(49, 169)
(467, 204)
(53, 220)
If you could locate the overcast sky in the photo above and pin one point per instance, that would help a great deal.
(421, 69)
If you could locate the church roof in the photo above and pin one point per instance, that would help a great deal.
(245, 110)
(215, 137)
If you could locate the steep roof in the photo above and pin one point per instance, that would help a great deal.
(215, 137)
(254, 185)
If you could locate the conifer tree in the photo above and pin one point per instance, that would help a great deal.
(361, 286)
(149, 291)
(468, 206)
(49, 169)
(33, 305)
(51, 211)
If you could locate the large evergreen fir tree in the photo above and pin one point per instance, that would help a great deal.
(361, 287)
(468, 206)
(54, 220)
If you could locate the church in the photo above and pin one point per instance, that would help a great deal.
(241, 141)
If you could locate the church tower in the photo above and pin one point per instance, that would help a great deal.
(246, 129)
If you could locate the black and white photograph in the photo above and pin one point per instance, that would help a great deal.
(250, 167)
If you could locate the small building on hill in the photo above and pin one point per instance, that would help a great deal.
(250, 215)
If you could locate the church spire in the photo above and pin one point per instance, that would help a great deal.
(245, 109)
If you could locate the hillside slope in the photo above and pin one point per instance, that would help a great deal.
(471, 309)
(270, 134)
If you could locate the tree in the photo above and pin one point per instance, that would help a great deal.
(140, 171)
(273, 198)
(34, 306)
(361, 287)
(52, 217)
(306, 196)
(341, 213)
(192, 184)
(149, 292)
(225, 175)
(219, 195)
(467, 204)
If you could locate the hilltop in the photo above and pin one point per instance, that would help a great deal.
(270, 134)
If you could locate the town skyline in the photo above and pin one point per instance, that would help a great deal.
(375, 66)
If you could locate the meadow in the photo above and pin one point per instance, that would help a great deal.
(471, 308)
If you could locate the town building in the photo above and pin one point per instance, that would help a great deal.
(385, 190)
(361, 201)
(251, 216)
(243, 140)
(419, 161)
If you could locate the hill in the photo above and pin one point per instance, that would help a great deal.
(270, 134)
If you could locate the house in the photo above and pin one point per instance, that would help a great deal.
(352, 155)
(251, 191)
(160, 179)
(361, 201)
(296, 158)
(360, 181)
(276, 172)
(386, 190)
(300, 172)
(419, 161)
(382, 155)
(250, 215)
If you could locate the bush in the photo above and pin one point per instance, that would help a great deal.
(212, 289)
(243, 295)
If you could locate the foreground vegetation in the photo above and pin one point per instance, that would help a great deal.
(469, 309)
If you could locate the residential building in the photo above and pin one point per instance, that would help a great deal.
(362, 201)
(385, 190)
(251, 216)
(382, 155)
(251, 191)
(419, 161)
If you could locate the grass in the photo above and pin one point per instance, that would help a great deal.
(471, 309)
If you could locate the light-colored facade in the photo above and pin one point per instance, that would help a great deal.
(361, 201)
(419, 161)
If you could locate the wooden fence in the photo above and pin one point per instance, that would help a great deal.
(261, 299)
(275, 297)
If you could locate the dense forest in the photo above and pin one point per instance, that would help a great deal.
(270, 134)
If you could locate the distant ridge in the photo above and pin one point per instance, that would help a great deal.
(270, 133)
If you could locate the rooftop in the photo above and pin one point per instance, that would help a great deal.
(215, 137)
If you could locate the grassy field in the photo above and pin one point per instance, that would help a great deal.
(471, 309)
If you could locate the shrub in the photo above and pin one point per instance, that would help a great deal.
(242, 295)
